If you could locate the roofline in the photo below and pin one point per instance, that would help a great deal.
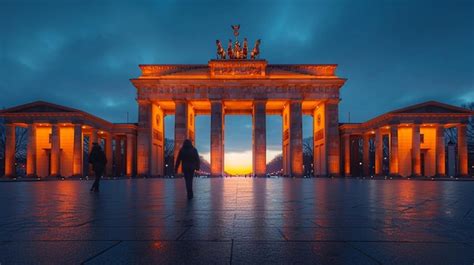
(86, 114)
(431, 102)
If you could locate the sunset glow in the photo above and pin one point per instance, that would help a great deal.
(240, 163)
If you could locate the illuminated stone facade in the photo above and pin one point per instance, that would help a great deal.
(414, 141)
(227, 87)
(415, 146)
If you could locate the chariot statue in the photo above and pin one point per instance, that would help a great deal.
(235, 50)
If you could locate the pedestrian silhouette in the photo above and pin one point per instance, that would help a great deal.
(189, 157)
(98, 160)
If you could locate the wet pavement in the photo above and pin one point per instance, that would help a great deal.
(238, 221)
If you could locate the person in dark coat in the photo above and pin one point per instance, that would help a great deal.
(98, 160)
(189, 157)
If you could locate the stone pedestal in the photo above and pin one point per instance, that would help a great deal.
(259, 138)
(217, 138)
(31, 151)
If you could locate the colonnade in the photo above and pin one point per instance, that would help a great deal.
(151, 135)
(411, 148)
(57, 149)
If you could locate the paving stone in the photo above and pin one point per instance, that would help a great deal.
(297, 253)
(243, 220)
(159, 252)
(51, 252)
(418, 253)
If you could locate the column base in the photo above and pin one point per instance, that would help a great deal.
(31, 176)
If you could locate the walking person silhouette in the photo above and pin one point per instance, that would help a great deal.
(98, 160)
(189, 157)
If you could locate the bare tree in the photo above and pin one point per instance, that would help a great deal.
(169, 156)
(21, 138)
(308, 156)
(275, 165)
(470, 126)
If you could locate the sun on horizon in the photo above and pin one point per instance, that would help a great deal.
(240, 163)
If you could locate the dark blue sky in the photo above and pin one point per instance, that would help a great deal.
(82, 53)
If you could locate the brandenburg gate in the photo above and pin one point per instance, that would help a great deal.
(406, 142)
(239, 86)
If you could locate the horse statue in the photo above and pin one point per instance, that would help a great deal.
(256, 50)
(230, 53)
(237, 50)
(245, 49)
(220, 50)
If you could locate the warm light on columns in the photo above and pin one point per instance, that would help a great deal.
(31, 151)
(55, 150)
(394, 150)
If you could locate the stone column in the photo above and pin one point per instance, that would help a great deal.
(296, 138)
(180, 126)
(259, 138)
(415, 150)
(92, 139)
(184, 125)
(55, 150)
(394, 150)
(462, 150)
(191, 122)
(347, 155)
(109, 155)
(118, 156)
(440, 151)
(10, 150)
(366, 154)
(332, 138)
(31, 151)
(378, 151)
(130, 170)
(77, 151)
(144, 138)
(217, 138)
